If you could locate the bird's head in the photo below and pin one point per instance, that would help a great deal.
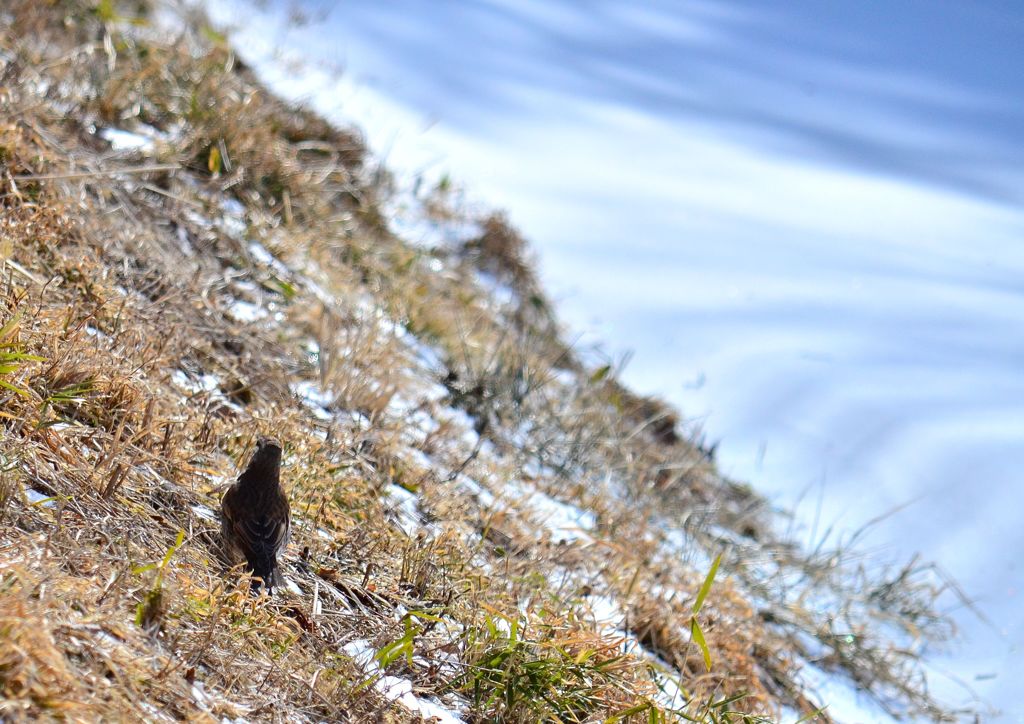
(265, 463)
(268, 446)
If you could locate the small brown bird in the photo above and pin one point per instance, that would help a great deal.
(255, 516)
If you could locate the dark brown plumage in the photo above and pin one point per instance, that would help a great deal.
(255, 516)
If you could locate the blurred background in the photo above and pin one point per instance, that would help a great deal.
(804, 219)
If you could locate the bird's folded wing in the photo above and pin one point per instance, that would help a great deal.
(264, 536)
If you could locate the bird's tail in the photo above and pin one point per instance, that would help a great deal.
(264, 568)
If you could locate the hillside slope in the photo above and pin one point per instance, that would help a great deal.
(486, 524)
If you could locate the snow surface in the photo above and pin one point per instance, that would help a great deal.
(204, 383)
(405, 508)
(565, 521)
(409, 221)
(396, 688)
(126, 140)
(845, 704)
(316, 400)
(205, 512)
(246, 312)
(37, 498)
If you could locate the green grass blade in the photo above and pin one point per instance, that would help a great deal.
(706, 586)
(14, 388)
(698, 636)
(600, 373)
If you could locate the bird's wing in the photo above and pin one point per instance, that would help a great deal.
(264, 536)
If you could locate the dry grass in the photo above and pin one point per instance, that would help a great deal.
(242, 279)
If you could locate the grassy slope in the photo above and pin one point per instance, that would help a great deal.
(245, 277)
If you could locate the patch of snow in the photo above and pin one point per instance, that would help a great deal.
(154, 714)
(669, 695)
(677, 545)
(37, 498)
(311, 393)
(232, 226)
(181, 234)
(502, 624)
(422, 421)
(245, 312)
(312, 350)
(410, 221)
(319, 292)
(240, 283)
(843, 702)
(396, 688)
(389, 326)
(433, 391)
(460, 420)
(484, 496)
(400, 690)
(362, 422)
(93, 332)
(428, 355)
(534, 468)
(199, 695)
(565, 521)
(233, 207)
(204, 512)
(361, 652)
(406, 508)
(606, 612)
(564, 377)
(112, 641)
(260, 253)
(420, 458)
(121, 140)
(233, 219)
(263, 256)
(204, 383)
(216, 482)
(198, 219)
(401, 406)
(316, 400)
(445, 662)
